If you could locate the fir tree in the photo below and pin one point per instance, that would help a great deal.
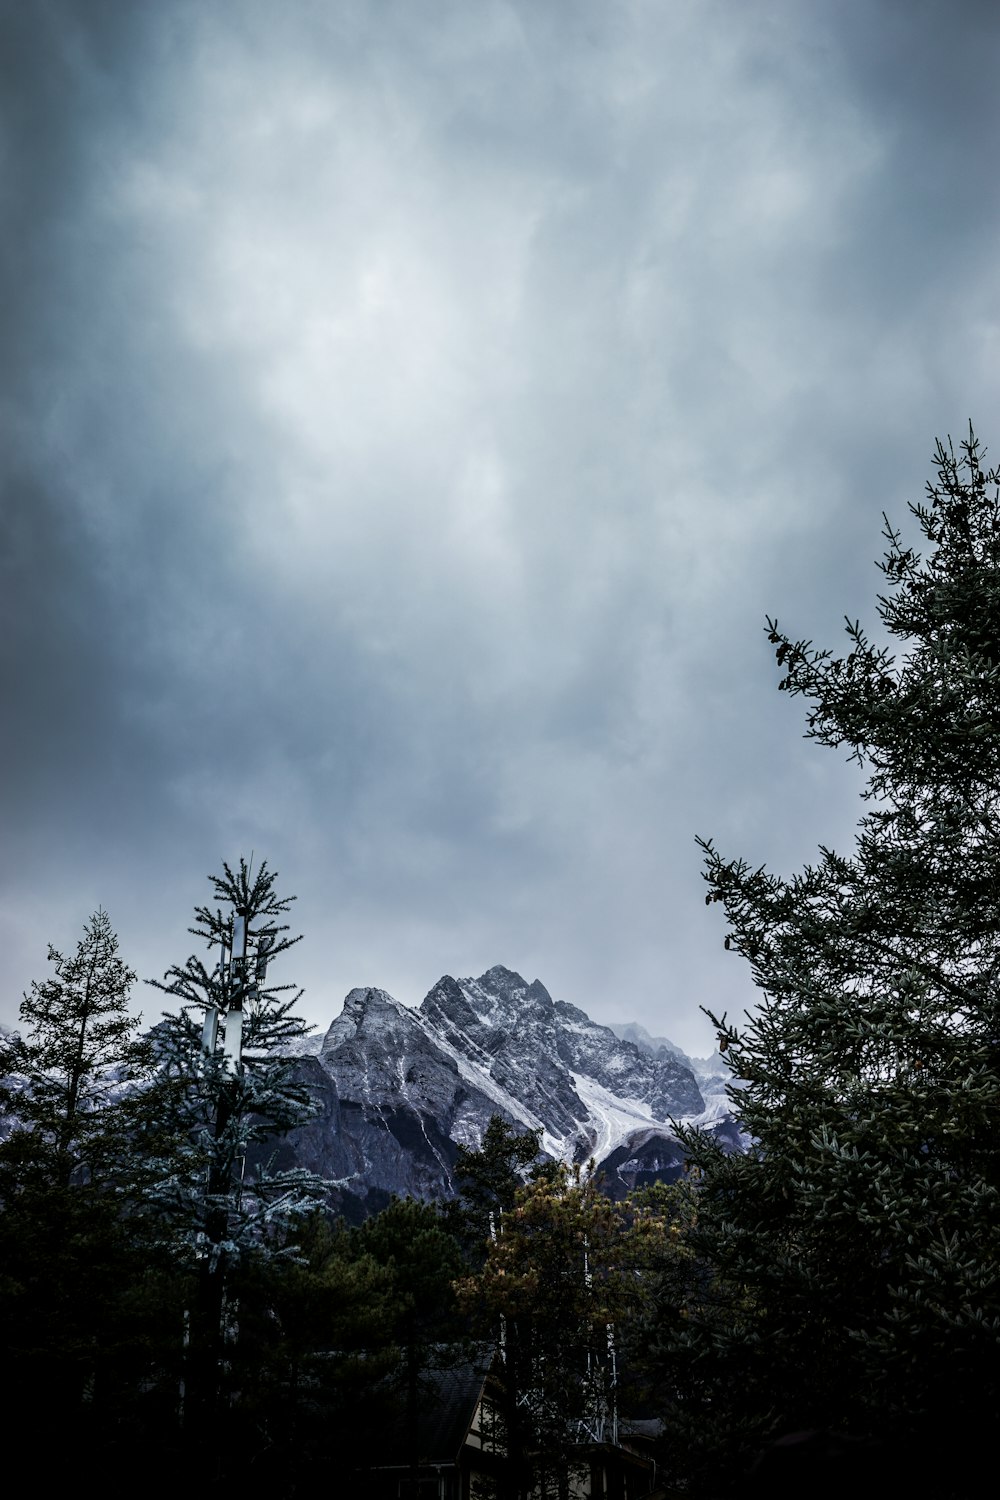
(226, 1072)
(413, 1242)
(226, 1089)
(488, 1181)
(849, 1274)
(316, 1363)
(73, 1261)
(67, 1071)
(563, 1276)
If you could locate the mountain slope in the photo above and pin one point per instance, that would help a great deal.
(400, 1089)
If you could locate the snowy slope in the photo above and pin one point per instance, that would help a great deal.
(402, 1088)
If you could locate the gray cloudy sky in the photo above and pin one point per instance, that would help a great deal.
(411, 408)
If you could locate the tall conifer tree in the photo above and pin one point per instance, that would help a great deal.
(849, 1273)
(227, 1088)
(226, 1075)
(71, 1255)
(67, 1069)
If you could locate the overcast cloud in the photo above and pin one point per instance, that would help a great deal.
(410, 411)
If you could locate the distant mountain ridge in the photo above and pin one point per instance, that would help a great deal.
(399, 1089)
(714, 1078)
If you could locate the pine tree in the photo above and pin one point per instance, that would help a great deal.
(488, 1181)
(225, 1092)
(226, 1070)
(413, 1241)
(849, 1274)
(67, 1072)
(563, 1277)
(72, 1256)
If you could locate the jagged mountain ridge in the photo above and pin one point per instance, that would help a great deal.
(714, 1079)
(399, 1089)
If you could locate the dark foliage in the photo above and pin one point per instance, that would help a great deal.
(845, 1272)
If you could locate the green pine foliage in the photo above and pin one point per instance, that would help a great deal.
(562, 1284)
(488, 1181)
(314, 1370)
(219, 1193)
(68, 1069)
(223, 1094)
(338, 1346)
(846, 1269)
(79, 1307)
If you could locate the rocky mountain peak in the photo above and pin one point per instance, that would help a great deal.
(403, 1088)
(507, 985)
(503, 998)
(500, 977)
(367, 1012)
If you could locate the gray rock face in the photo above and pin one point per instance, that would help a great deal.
(662, 1081)
(377, 1050)
(404, 1105)
(719, 1089)
(399, 1089)
(511, 1032)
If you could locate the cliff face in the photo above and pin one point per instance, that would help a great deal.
(399, 1089)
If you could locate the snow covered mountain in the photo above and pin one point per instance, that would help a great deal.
(714, 1079)
(399, 1089)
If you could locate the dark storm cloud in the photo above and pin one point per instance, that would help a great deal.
(410, 412)
(66, 637)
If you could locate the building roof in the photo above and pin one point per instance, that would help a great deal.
(447, 1395)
